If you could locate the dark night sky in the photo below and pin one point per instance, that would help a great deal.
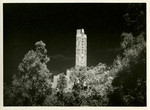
(56, 24)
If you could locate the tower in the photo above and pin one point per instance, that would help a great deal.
(81, 48)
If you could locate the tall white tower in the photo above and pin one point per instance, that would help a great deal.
(81, 48)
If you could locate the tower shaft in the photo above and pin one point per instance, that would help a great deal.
(81, 48)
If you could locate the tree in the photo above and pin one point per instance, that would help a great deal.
(129, 68)
(33, 81)
(61, 82)
(135, 18)
(98, 80)
(130, 81)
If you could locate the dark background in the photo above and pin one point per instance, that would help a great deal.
(55, 24)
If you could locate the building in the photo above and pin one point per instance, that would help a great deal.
(81, 48)
(55, 78)
(81, 58)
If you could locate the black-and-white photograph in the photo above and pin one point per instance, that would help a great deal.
(74, 54)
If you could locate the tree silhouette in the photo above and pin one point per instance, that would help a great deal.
(33, 81)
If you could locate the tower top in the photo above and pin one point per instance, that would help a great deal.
(80, 32)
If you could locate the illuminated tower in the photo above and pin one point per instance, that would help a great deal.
(81, 48)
